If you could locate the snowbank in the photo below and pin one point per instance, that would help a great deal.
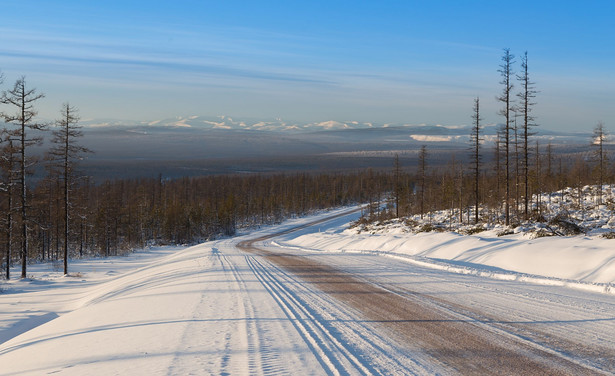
(576, 261)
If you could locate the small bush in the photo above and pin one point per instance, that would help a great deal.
(565, 226)
(608, 235)
(505, 232)
(426, 228)
(542, 233)
(514, 223)
(537, 217)
(473, 230)
(361, 221)
(411, 222)
(610, 204)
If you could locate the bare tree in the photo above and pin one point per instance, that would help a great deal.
(461, 193)
(539, 189)
(397, 183)
(549, 173)
(423, 175)
(64, 153)
(24, 120)
(600, 136)
(497, 155)
(506, 72)
(526, 96)
(475, 140)
(517, 160)
(8, 162)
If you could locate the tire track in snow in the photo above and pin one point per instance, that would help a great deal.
(187, 360)
(335, 357)
(453, 340)
(493, 327)
(236, 340)
(372, 349)
(461, 343)
(368, 351)
(262, 357)
(248, 331)
(592, 357)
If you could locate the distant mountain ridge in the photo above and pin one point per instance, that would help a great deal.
(275, 125)
(421, 132)
(200, 145)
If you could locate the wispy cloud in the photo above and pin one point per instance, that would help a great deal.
(119, 62)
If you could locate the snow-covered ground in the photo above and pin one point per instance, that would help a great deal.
(213, 309)
(199, 310)
(530, 251)
(576, 261)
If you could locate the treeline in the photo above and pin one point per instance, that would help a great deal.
(118, 216)
(423, 189)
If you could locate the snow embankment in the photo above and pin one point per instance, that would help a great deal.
(576, 261)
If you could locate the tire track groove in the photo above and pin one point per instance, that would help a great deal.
(335, 358)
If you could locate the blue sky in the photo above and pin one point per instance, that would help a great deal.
(379, 61)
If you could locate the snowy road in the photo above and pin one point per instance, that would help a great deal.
(246, 306)
(464, 323)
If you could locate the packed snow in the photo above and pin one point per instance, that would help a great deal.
(212, 309)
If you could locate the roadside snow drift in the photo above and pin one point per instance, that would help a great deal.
(576, 261)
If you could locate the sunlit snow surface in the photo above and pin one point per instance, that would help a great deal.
(585, 261)
(211, 309)
(579, 262)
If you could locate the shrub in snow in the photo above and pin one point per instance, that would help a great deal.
(565, 226)
(472, 230)
(608, 235)
(542, 233)
(505, 232)
(567, 212)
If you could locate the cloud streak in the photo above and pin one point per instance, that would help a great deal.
(134, 62)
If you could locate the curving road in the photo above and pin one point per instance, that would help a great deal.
(247, 306)
(441, 322)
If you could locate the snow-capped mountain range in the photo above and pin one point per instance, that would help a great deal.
(429, 133)
(196, 145)
(229, 123)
